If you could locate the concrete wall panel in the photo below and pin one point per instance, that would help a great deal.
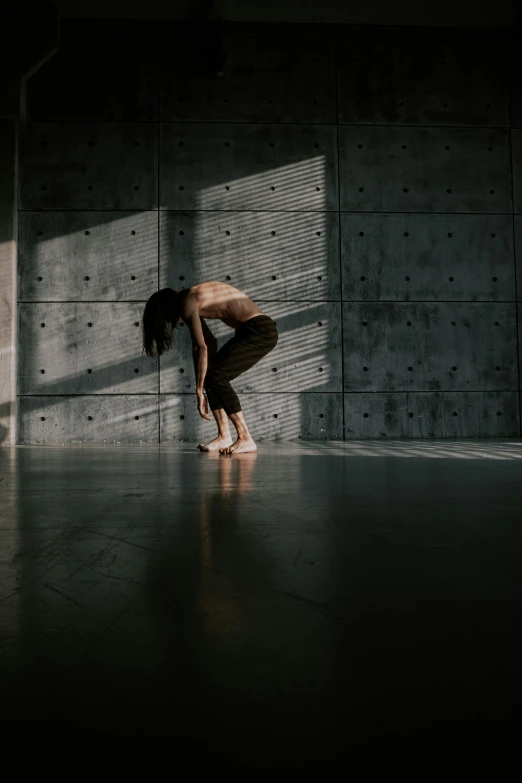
(387, 169)
(312, 416)
(516, 147)
(515, 86)
(516, 105)
(265, 80)
(88, 166)
(415, 77)
(67, 88)
(105, 357)
(8, 279)
(249, 194)
(267, 254)
(427, 257)
(307, 356)
(432, 415)
(265, 167)
(520, 352)
(429, 347)
(518, 253)
(91, 419)
(117, 251)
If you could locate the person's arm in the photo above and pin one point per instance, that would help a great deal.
(211, 342)
(200, 359)
(199, 351)
(191, 317)
(210, 339)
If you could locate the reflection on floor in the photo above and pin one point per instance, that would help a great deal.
(311, 603)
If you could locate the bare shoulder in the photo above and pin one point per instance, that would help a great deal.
(190, 303)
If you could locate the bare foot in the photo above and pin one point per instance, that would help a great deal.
(218, 443)
(240, 446)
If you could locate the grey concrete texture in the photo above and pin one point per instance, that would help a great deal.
(431, 415)
(515, 85)
(267, 80)
(408, 169)
(423, 346)
(518, 254)
(134, 418)
(88, 166)
(270, 255)
(245, 173)
(289, 416)
(520, 354)
(307, 357)
(516, 105)
(83, 348)
(8, 130)
(410, 257)
(97, 418)
(375, 84)
(516, 147)
(117, 251)
(8, 185)
(248, 166)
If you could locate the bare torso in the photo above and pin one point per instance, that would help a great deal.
(221, 301)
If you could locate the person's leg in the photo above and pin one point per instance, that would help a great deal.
(244, 441)
(252, 342)
(224, 438)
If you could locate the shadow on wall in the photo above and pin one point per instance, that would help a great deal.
(98, 268)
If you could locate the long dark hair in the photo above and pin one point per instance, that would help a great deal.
(160, 318)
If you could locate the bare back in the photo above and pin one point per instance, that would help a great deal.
(221, 301)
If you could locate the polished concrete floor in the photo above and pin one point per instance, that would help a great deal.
(310, 604)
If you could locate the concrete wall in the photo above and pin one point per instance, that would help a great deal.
(10, 100)
(356, 182)
(8, 276)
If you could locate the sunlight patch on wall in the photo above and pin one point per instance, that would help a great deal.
(274, 257)
(302, 182)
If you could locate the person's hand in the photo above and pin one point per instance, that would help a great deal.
(203, 406)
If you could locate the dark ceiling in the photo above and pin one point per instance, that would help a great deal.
(446, 13)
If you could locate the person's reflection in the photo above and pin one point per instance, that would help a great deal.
(224, 636)
(235, 480)
(210, 570)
